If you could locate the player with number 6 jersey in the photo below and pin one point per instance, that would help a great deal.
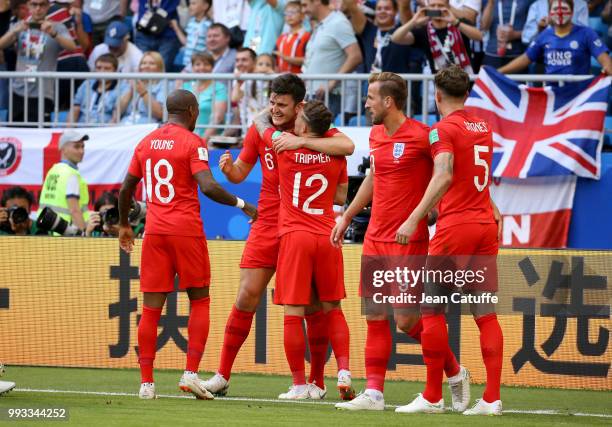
(259, 258)
(173, 162)
(309, 266)
(466, 235)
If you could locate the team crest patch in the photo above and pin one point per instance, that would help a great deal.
(203, 154)
(433, 136)
(398, 149)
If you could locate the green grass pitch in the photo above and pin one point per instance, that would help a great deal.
(252, 401)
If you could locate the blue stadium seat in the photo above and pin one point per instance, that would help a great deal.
(431, 118)
(608, 131)
(62, 116)
(3, 115)
(353, 121)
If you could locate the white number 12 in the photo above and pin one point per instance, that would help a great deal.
(296, 192)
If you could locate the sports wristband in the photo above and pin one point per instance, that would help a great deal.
(239, 203)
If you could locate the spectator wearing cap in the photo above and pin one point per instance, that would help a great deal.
(117, 41)
(96, 100)
(166, 42)
(565, 48)
(69, 13)
(538, 18)
(102, 13)
(64, 190)
(218, 40)
(504, 20)
(39, 43)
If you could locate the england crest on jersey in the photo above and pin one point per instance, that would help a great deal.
(398, 149)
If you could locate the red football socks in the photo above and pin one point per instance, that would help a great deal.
(491, 345)
(377, 353)
(451, 366)
(147, 341)
(339, 337)
(237, 330)
(318, 339)
(434, 342)
(197, 330)
(295, 348)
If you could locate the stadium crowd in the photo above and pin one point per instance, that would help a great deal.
(276, 36)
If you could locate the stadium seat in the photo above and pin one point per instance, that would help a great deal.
(431, 118)
(62, 117)
(353, 121)
(3, 115)
(608, 131)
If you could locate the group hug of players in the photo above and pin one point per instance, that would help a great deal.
(295, 235)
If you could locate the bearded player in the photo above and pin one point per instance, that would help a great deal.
(462, 149)
(260, 254)
(400, 170)
(309, 266)
(173, 162)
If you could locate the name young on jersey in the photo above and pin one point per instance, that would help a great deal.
(162, 144)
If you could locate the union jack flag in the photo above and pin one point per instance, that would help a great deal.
(555, 130)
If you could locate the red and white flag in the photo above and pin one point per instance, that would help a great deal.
(537, 211)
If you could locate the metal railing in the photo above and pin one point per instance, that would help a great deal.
(348, 85)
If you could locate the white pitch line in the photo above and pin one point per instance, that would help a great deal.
(309, 402)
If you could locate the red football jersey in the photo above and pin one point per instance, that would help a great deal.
(167, 159)
(402, 167)
(308, 182)
(470, 140)
(269, 198)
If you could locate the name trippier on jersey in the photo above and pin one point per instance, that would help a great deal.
(476, 127)
(310, 159)
(162, 144)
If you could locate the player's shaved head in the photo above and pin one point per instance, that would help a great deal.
(179, 101)
(183, 108)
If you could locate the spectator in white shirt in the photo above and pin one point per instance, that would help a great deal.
(116, 41)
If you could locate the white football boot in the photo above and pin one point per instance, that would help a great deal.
(296, 392)
(217, 385)
(345, 388)
(191, 383)
(420, 405)
(459, 386)
(484, 408)
(370, 400)
(147, 391)
(315, 392)
(6, 386)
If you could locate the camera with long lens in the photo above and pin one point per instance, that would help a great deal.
(49, 220)
(109, 217)
(357, 229)
(138, 212)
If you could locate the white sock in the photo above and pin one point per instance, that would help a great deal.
(456, 378)
(344, 372)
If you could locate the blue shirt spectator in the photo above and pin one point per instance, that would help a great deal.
(194, 37)
(265, 25)
(509, 26)
(567, 55)
(166, 43)
(538, 14)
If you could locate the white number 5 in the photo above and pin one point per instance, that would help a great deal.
(481, 162)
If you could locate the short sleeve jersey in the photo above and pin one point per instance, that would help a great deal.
(570, 54)
(308, 182)
(470, 140)
(401, 164)
(269, 198)
(167, 159)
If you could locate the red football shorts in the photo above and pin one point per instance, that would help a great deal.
(465, 239)
(165, 256)
(389, 256)
(308, 266)
(467, 247)
(261, 248)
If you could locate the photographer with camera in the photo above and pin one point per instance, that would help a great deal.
(104, 221)
(16, 205)
(443, 37)
(64, 190)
